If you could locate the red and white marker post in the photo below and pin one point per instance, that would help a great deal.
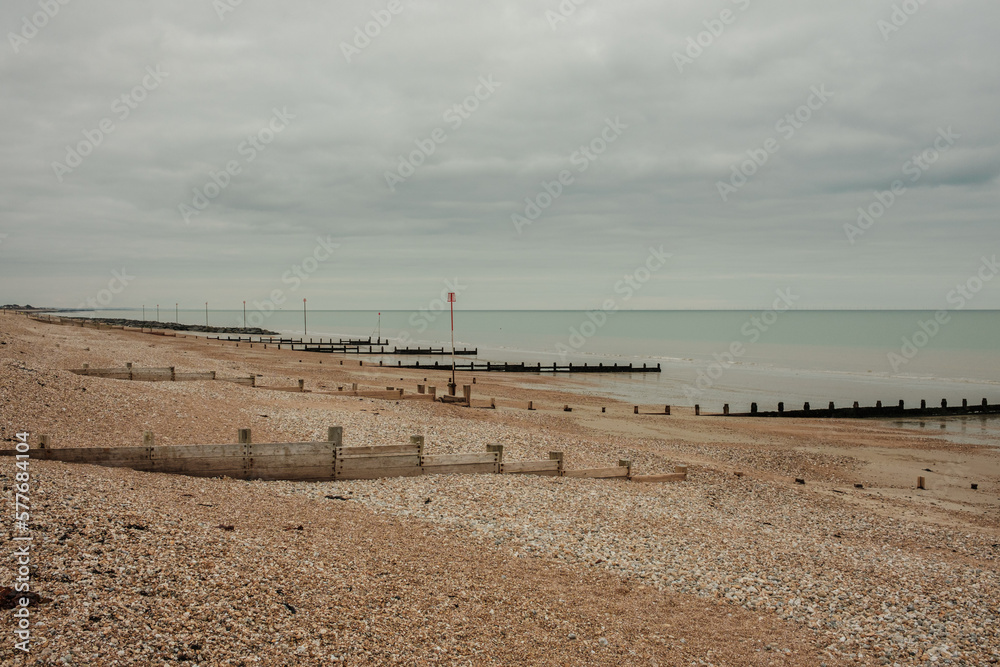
(451, 301)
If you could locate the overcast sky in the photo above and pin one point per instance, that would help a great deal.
(116, 116)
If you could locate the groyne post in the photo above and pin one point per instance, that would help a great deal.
(557, 456)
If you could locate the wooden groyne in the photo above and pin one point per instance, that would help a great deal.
(431, 351)
(878, 411)
(491, 367)
(153, 374)
(326, 460)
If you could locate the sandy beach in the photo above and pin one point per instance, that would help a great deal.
(737, 565)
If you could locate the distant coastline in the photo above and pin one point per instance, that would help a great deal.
(174, 326)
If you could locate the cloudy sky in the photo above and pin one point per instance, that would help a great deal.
(367, 154)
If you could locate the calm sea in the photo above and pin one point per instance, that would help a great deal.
(707, 357)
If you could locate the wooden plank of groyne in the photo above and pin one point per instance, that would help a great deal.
(396, 393)
(94, 454)
(147, 465)
(206, 464)
(380, 450)
(598, 473)
(668, 477)
(530, 467)
(139, 373)
(198, 452)
(304, 460)
(377, 462)
(207, 375)
(462, 468)
(458, 459)
(290, 449)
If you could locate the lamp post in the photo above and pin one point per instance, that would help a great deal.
(206, 314)
(177, 318)
(451, 302)
(303, 318)
(157, 312)
(244, 314)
